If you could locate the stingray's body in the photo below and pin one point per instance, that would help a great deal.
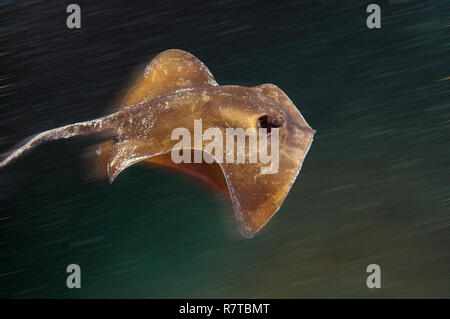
(176, 89)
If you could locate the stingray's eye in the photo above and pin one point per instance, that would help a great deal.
(269, 122)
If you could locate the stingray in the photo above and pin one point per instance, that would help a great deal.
(176, 89)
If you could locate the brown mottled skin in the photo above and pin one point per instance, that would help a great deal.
(176, 89)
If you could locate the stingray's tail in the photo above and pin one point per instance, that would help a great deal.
(77, 129)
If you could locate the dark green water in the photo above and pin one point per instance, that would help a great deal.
(373, 189)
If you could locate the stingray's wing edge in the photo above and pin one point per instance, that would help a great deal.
(117, 165)
(127, 155)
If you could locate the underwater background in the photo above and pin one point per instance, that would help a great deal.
(374, 187)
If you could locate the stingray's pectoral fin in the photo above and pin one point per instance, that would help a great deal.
(112, 158)
(168, 71)
(251, 204)
(257, 195)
